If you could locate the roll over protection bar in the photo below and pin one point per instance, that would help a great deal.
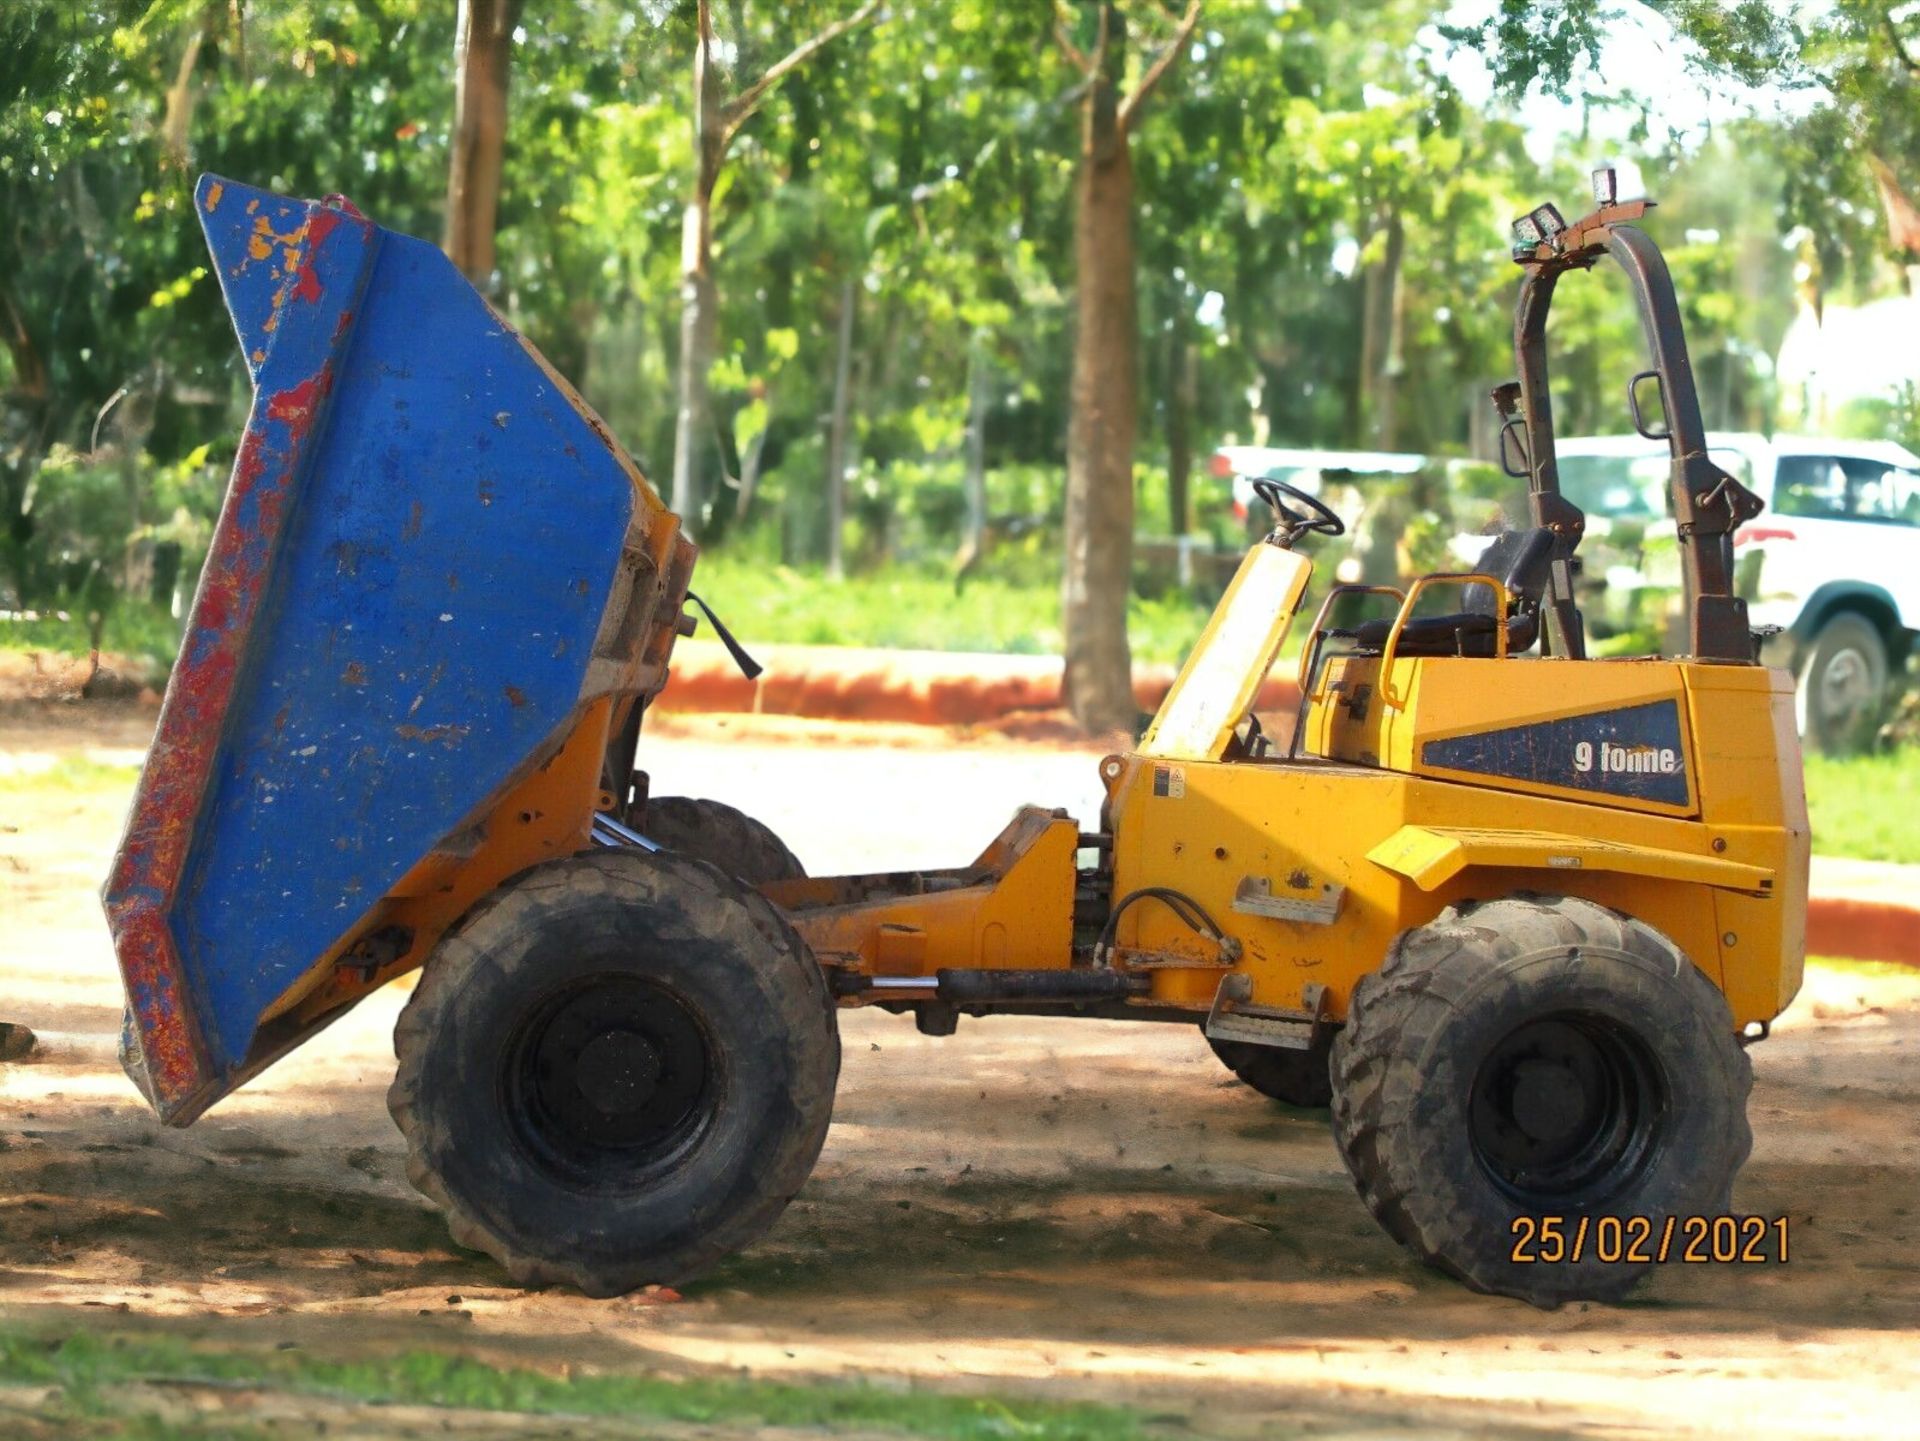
(1708, 503)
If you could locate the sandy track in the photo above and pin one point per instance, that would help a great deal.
(1066, 1208)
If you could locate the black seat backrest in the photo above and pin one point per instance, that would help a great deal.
(1522, 560)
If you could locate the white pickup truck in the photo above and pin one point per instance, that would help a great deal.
(1833, 561)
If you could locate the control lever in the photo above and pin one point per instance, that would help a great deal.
(749, 667)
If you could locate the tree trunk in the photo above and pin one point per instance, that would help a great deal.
(1903, 220)
(699, 334)
(1381, 339)
(29, 370)
(979, 397)
(1182, 394)
(482, 51)
(714, 125)
(699, 326)
(750, 462)
(837, 434)
(1100, 428)
(1395, 362)
(176, 125)
(26, 399)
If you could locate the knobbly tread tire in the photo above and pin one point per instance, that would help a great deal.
(736, 1179)
(773, 922)
(715, 832)
(1400, 1115)
(1821, 734)
(1294, 1078)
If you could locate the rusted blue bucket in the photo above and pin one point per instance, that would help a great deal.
(431, 556)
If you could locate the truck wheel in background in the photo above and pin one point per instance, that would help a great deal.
(1518, 1065)
(720, 835)
(1299, 1078)
(615, 1072)
(1842, 684)
(17, 1042)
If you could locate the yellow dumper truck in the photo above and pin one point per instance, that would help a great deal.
(1513, 911)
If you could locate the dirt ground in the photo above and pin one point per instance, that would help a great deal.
(1070, 1209)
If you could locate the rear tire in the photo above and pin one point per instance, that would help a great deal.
(17, 1042)
(1280, 1073)
(1537, 1057)
(615, 1072)
(722, 836)
(1842, 684)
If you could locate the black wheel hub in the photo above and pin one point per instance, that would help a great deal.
(1566, 1110)
(608, 1080)
(618, 1072)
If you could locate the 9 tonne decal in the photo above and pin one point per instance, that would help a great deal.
(1634, 751)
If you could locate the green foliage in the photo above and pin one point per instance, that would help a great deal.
(1011, 607)
(1308, 165)
(1861, 57)
(128, 628)
(1548, 42)
(84, 1369)
(122, 357)
(1863, 806)
(114, 525)
(70, 773)
(1897, 416)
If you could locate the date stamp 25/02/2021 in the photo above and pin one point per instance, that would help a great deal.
(1725, 1240)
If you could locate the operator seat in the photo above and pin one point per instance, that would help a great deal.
(1521, 560)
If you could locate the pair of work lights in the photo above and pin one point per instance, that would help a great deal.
(1545, 223)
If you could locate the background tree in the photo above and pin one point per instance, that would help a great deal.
(716, 121)
(1863, 56)
(482, 55)
(119, 414)
(932, 170)
(1101, 423)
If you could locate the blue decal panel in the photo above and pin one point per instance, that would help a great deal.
(1633, 751)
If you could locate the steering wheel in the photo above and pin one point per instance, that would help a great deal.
(1319, 519)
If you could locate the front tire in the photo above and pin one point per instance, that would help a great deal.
(1842, 684)
(615, 1072)
(1529, 1058)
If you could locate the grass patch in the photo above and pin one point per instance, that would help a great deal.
(901, 608)
(1867, 970)
(84, 1368)
(1866, 807)
(136, 630)
(70, 773)
(897, 608)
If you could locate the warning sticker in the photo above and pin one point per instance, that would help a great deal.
(1170, 781)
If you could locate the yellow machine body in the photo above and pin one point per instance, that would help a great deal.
(1416, 783)
(1008, 909)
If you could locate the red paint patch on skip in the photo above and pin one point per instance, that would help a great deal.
(320, 225)
(297, 404)
(152, 863)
